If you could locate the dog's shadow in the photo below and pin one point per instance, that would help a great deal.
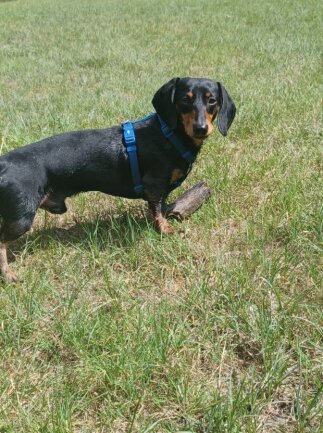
(121, 231)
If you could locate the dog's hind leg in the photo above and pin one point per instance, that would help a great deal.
(10, 231)
(5, 271)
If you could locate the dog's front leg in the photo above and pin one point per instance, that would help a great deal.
(156, 189)
(158, 209)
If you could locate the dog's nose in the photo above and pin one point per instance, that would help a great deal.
(200, 129)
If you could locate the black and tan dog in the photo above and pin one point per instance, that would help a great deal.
(43, 174)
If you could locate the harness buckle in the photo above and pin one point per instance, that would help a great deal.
(128, 133)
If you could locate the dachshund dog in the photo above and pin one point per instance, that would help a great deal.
(43, 174)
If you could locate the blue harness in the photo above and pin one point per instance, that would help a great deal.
(131, 147)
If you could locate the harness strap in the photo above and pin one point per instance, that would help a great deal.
(186, 154)
(144, 119)
(130, 142)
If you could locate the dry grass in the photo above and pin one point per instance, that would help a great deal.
(218, 328)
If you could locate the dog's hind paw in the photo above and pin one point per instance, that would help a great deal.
(10, 277)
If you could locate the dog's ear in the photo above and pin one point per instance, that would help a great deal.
(227, 111)
(163, 102)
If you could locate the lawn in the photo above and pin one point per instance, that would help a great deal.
(218, 327)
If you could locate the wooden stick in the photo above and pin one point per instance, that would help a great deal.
(189, 202)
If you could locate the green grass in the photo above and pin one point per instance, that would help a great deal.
(217, 328)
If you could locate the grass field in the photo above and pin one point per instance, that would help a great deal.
(217, 328)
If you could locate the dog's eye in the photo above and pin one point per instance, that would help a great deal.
(212, 101)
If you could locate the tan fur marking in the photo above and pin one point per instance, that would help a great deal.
(47, 202)
(207, 94)
(189, 94)
(44, 202)
(188, 122)
(160, 222)
(209, 121)
(176, 175)
(162, 225)
(198, 142)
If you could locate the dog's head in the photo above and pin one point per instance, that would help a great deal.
(195, 102)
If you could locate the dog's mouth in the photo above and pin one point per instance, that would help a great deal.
(198, 139)
(201, 136)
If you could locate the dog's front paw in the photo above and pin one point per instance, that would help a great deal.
(167, 230)
(163, 227)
